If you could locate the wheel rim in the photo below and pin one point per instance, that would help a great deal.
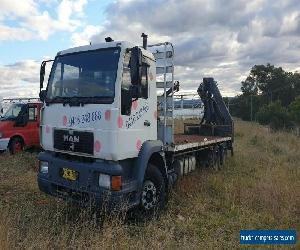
(17, 147)
(149, 195)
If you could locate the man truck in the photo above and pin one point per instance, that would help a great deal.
(107, 126)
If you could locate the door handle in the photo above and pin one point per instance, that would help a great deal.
(147, 123)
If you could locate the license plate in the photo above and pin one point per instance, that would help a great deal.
(69, 174)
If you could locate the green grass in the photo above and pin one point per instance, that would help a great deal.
(258, 188)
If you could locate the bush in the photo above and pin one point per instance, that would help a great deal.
(294, 109)
(274, 115)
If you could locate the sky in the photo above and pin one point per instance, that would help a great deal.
(212, 38)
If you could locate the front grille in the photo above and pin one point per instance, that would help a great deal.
(78, 158)
(67, 193)
(74, 141)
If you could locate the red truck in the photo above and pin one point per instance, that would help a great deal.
(19, 126)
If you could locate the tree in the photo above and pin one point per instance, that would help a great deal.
(294, 109)
(275, 115)
(272, 83)
(241, 106)
(295, 81)
(264, 85)
(249, 87)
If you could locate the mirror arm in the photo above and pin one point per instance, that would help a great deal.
(42, 72)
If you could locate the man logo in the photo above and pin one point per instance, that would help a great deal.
(70, 138)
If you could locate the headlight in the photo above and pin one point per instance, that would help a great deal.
(44, 167)
(1, 134)
(104, 181)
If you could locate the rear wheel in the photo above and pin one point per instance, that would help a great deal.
(16, 146)
(213, 159)
(153, 197)
(217, 160)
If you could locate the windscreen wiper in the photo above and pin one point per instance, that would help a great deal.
(56, 99)
(74, 101)
(99, 99)
(77, 101)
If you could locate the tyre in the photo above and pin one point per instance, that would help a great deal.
(217, 160)
(153, 196)
(16, 145)
(221, 156)
(213, 159)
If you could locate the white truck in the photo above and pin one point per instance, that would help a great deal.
(107, 126)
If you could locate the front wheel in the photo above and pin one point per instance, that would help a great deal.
(153, 197)
(16, 146)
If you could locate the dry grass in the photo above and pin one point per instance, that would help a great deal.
(259, 188)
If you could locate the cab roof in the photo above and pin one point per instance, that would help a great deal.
(21, 100)
(121, 44)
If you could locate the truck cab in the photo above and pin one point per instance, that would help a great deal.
(99, 111)
(19, 126)
(90, 110)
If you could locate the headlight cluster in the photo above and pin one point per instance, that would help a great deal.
(1, 135)
(44, 167)
(113, 183)
(104, 181)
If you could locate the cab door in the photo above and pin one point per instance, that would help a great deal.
(138, 120)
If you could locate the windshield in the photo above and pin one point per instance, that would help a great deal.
(12, 112)
(84, 75)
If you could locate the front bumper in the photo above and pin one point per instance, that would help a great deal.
(4, 144)
(85, 190)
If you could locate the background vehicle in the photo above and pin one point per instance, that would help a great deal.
(19, 125)
(107, 136)
(1, 107)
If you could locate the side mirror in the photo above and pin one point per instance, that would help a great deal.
(136, 91)
(42, 95)
(126, 102)
(42, 74)
(135, 66)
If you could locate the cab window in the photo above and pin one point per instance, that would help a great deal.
(125, 86)
(32, 113)
(126, 81)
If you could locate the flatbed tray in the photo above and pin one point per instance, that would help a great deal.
(183, 141)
